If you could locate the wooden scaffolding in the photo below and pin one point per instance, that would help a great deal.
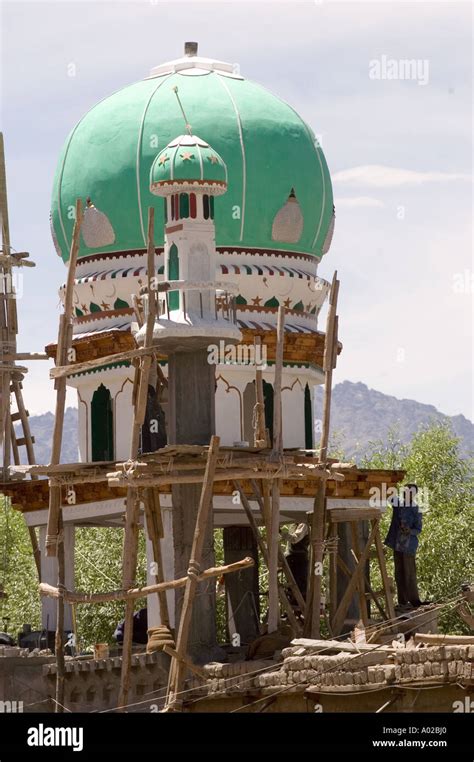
(263, 466)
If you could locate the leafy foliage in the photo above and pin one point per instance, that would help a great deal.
(445, 557)
(98, 568)
(18, 575)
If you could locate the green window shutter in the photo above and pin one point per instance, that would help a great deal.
(173, 274)
(308, 419)
(183, 205)
(102, 425)
(268, 405)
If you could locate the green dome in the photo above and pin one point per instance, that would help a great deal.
(271, 155)
(188, 163)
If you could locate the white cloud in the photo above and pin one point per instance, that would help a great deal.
(380, 176)
(353, 202)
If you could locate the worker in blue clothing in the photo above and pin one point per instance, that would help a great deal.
(402, 537)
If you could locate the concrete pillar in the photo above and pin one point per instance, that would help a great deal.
(242, 599)
(49, 574)
(192, 421)
(167, 551)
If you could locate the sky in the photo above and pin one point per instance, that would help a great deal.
(397, 139)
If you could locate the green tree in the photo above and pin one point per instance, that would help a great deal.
(445, 557)
(18, 576)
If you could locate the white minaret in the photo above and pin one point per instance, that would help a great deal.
(199, 311)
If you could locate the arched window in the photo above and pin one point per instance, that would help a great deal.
(192, 205)
(249, 400)
(308, 419)
(211, 206)
(205, 206)
(102, 425)
(268, 403)
(183, 206)
(173, 274)
(176, 205)
(165, 204)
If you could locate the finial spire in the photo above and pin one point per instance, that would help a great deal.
(190, 48)
(188, 126)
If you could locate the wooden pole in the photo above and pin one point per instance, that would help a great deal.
(7, 328)
(274, 524)
(177, 673)
(281, 556)
(132, 510)
(260, 435)
(140, 592)
(64, 343)
(312, 624)
(264, 551)
(333, 557)
(59, 637)
(361, 584)
(383, 571)
(277, 406)
(354, 581)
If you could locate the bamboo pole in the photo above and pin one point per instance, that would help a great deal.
(177, 672)
(140, 592)
(64, 342)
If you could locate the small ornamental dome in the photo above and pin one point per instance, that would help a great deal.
(188, 164)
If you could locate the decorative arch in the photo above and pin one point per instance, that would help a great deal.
(102, 425)
(173, 274)
(268, 404)
(308, 419)
(249, 400)
(288, 222)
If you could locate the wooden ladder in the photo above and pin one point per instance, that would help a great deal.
(11, 374)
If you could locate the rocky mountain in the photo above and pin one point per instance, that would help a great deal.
(42, 430)
(360, 415)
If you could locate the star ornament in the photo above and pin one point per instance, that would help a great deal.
(163, 159)
(257, 301)
(213, 159)
(187, 156)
